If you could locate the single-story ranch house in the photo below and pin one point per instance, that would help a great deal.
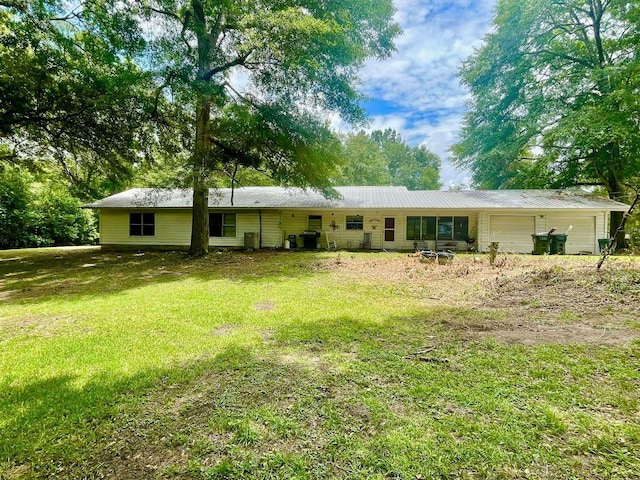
(363, 217)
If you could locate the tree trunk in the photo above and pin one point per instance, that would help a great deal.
(614, 189)
(202, 147)
(616, 220)
(200, 218)
(200, 211)
(616, 217)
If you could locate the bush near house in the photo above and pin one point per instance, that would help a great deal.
(35, 214)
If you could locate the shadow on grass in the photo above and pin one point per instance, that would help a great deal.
(55, 428)
(60, 427)
(300, 406)
(32, 275)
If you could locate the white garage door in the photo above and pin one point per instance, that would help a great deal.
(582, 237)
(513, 232)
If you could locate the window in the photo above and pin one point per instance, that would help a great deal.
(315, 222)
(355, 222)
(389, 229)
(445, 228)
(428, 228)
(222, 224)
(441, 228)
(142, 224)
(461, 228)
(413, 228)
(421, 228)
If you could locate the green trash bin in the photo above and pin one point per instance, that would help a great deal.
(540, 243)
(603, 243)
(557, 245)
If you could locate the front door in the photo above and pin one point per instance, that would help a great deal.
(389, 232)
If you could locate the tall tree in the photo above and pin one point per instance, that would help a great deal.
(417, 168)
(70, 95)
(384, 158)
(555, 97)
(257, 77)
(364, 162)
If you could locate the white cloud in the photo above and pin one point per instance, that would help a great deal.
(419, 84)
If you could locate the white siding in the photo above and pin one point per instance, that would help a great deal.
(294, 222)
(173, 227)
(513, 232)
(582, 237)
(245, 222)
(272, 236)
(483, 237)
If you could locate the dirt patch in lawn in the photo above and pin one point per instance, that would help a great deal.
(224, 330)
(265, 306)
(534, 334)
(47, 326)
(566, 305)
(527, 300)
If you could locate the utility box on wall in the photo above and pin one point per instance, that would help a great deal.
(251, 240)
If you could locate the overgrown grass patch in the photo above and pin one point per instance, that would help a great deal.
(288, 365)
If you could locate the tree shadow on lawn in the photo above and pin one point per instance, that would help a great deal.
(286, 409)
(230, 408)
(135, 427)
(54, 427)
(44, 273)
(322, 398)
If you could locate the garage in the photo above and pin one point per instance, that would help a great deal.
(513, 232)
(582, 236)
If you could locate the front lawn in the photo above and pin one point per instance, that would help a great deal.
(317, 365)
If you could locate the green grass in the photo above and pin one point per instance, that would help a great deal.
(287, 365)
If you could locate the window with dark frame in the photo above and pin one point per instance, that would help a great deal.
(421, 228)
(142, 224)
(460, 229)
(428, 228)
(389, 229)
(222, 224)
(315, 222)
(413, 228)
(445, 228)
(440, 228)
(355, 222)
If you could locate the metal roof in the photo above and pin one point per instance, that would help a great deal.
(362, 197)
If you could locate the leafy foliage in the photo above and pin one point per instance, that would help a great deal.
(555, 91)
(365, 162)
(384, 158)
(255, 79)
(416, 168)
(71, 96)
(34, 214)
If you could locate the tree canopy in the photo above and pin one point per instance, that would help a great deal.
(71, 95)
(555, 97)
(255, 79)
(384, 158)
(38, 210)
(212, 87)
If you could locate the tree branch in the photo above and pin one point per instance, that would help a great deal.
(571, 58)
(613, 240)
(167, 14)
(233, 63)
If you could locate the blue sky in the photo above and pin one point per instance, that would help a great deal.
(416, 91)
